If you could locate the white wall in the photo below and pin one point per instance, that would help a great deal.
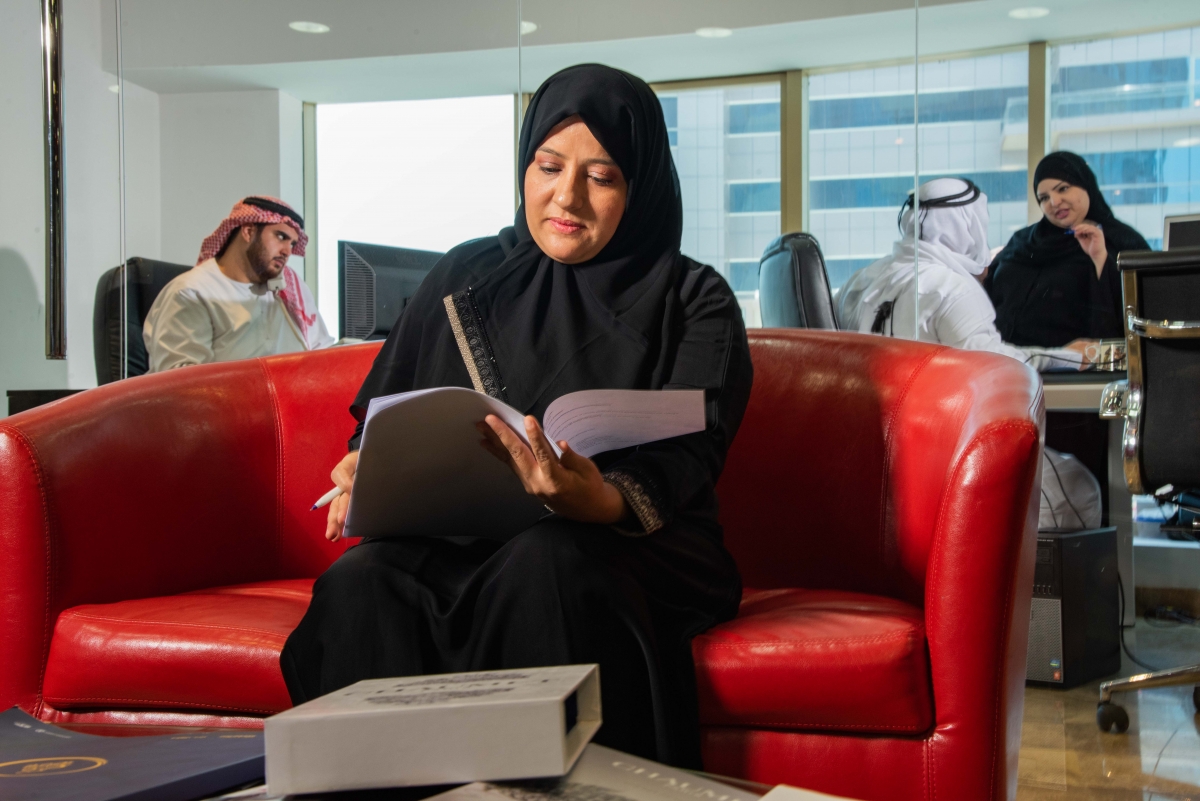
(217, 147)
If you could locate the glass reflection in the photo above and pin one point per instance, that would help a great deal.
(726, 145)
(1131, 107)
(972, 115)
(420, 174)
(375, 122)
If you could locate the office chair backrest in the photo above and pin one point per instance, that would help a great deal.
(1162, 334)
(146, 278)
(793, 288)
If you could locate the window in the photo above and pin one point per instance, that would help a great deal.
(725, 141)
(860, 148)
(425, 174)
(1131, 107)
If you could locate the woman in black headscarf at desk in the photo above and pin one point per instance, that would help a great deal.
(587, 290)
(1057, 281)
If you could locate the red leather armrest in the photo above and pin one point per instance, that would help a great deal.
(978, 562)
(162, 484)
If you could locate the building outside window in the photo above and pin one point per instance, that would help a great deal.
(725, 141)
(860, 148)
(1131, 107)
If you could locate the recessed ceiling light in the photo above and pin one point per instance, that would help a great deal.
(527, 27)
(115, 89)
(308, 27)
(1192, 142)
(1029, 12)
(714, 33)
(1127, 87)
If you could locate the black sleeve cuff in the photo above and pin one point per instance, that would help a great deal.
(648, 504)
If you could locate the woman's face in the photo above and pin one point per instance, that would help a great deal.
(1063, 204)
(574, 194)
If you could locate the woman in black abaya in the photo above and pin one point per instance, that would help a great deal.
(1056, 281)
(587, 290)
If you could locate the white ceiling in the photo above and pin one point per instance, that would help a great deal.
(394, 49)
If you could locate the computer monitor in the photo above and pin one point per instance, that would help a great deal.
(374, 285)
(1181, 232)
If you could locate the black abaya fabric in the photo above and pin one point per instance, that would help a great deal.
(1044, 285)
(499, 315)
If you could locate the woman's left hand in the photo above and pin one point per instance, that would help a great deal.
(570, 485)
(1091, 239)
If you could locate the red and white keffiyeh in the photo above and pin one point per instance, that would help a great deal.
(266, 210)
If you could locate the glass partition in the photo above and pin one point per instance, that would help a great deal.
(421, 174)
(972, 114)
(90, 217)
(1131, 107)
(379, 123)
(730, 81)
(726, 143)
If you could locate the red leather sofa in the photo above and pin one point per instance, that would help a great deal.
(156, 548)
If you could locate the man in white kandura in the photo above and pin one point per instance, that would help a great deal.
(954, 307)
(241, 300)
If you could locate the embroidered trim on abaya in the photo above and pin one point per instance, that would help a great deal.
(473, 344)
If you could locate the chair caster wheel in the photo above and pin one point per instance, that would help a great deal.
(1110, 715)
(1196, 697)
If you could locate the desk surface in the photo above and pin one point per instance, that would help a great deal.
(1076, 392)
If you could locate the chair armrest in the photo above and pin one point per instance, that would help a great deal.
(163, 484)
(978, 591)
(151, 486)
(26, 581)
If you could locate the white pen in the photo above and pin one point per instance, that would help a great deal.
(327, 498)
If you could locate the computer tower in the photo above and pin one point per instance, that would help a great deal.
(1074, 621)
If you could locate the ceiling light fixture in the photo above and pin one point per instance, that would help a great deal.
(308, 27)
(900, 140)
(115, 89)
(714, 33)
(1029, 12)
(1192, 142)
(527, 27)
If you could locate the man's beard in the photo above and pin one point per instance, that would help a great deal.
(260, 261)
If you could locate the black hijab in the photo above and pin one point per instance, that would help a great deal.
(1070, 167)
(1044, 285)
(502, 316)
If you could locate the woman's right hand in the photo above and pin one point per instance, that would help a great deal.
(1088, 350)
(343, 478)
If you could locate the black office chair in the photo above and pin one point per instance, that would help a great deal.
(1161, 443)
(146, 278)
(793, 287)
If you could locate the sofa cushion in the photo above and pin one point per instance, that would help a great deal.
(215, 649)
(816, 659)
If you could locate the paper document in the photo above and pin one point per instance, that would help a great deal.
(422, 472)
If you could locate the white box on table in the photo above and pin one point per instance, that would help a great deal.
(421, 730)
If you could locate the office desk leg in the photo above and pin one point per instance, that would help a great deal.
(1120, 514)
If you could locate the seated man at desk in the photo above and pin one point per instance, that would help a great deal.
(882, 298)
(241, 300)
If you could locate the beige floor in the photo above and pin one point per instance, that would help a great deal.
(1065, 756)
